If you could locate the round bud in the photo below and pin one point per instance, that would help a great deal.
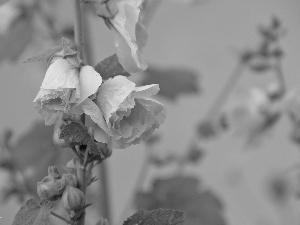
(72, 199)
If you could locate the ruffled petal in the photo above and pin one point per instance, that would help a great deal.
(112, 93)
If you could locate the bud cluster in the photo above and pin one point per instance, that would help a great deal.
(56, 186)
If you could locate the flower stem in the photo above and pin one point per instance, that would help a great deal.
(60, 217)
(226, 91)
(78, 28)
(105, 191)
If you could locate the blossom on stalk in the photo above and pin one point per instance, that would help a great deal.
(124, 114)
(129, 34)
(64, 87)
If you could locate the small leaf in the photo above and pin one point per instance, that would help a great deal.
(156, 217)
(76, 133)
(110, 67)
(172, 81)
(44, 55)
(33, 214)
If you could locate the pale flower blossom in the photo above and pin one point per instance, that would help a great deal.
(64, 87)
(129, 35)
(124, 114)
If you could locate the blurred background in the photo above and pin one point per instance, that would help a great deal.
(198, 44)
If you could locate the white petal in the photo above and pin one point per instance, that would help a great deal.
(91, 109)
(112, 93)
(127, 41)
(100, 135)
(146, 91)
(89, 81)
(61, 74)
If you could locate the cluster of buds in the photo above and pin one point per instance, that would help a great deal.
(65, 187)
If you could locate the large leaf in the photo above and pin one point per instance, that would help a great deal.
(33, 213)
(156, 217)
(110, 67)
(182, 193)
(172, 81)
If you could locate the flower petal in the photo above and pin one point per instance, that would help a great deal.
(146, 91)
(112, 93)
(91, 109)
(89, 81)
(61, 74)
(129, 35)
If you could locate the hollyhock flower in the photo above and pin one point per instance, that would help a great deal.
(129, 34)
(64, 87)
(124, 114)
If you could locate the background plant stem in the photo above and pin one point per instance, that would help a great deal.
(78, 28)
(105, 208)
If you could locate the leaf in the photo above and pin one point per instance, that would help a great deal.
(173, 82)
(43, 55)
(182, 193)
(33, 214)
(156, 217)
(76, 133)
(111, 67)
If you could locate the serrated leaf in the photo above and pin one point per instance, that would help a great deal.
(173, 82)
(156, 217)
(111, 67)
(33, 214)
(43, 55)
(76, 133)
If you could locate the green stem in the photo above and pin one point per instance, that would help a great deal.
(279, 74)
(78, 28)
(226, 91)
(105, 191)
(61, 218)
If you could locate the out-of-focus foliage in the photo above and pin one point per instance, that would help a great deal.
(183, 193)
(173, 82)
(28, 159)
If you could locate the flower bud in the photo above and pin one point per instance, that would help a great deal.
(72, 199)
(50, 188)
(56, 136)
(70, 179)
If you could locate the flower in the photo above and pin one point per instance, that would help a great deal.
(124, 114)
(129, 34)
(64, 87)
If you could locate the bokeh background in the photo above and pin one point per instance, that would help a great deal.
(204, 37)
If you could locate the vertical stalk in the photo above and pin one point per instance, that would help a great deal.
(78, 28)
(103, 170)
(79, 44)
(105, 191)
